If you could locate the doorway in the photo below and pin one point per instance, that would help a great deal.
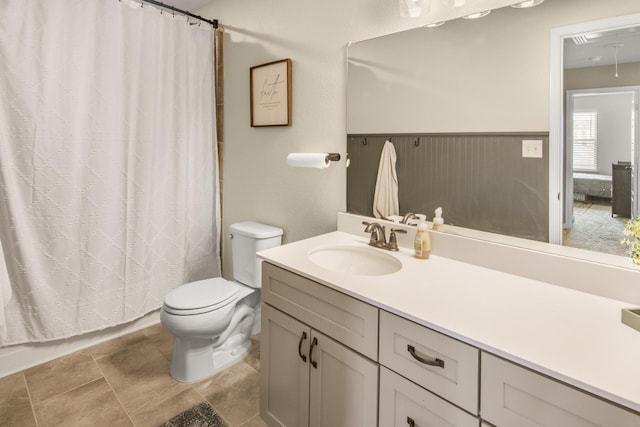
(599, 146)
(581, 95)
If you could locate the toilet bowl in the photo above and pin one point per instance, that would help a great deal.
(212, 319)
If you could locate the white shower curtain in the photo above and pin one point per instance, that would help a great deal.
(108, 163)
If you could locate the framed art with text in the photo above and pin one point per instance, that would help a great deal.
(270, 89)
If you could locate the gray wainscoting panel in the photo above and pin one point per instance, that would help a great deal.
(481, 181)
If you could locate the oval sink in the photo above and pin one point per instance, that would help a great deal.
(355, 260)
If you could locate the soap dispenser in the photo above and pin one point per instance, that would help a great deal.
(422, 242)
(438, 221)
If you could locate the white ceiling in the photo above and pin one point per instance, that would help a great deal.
(600, 46)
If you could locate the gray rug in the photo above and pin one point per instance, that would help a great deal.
(201, 415)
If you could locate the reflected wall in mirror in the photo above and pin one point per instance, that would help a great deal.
(473, 78)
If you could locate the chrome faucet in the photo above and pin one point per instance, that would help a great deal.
(378, 238)
(407, 217)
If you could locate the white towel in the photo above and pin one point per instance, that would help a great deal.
(385, 198)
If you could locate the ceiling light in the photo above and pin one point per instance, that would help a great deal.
(477, 15)
(527, 3)
(616, 46)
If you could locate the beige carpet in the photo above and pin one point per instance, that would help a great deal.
(595, 229)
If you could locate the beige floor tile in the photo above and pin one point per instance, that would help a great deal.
(162, 338)
(61, 375)
(233, 393)
(253, 358)
(139, 375)
(15, 406)
(92, 404)
(17, 416)
(117, 344)
(13, 391)
(162, 411)
(256, 421)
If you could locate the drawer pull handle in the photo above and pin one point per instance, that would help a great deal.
(411, 422)
(426, 360)
(313, 344)
(302, 338)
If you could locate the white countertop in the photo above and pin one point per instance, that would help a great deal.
(573, 336)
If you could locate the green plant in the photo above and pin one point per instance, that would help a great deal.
(632, 240)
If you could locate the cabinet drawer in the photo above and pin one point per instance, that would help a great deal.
(352, 322)
(402, 401)
(456, 379)
(512, 395)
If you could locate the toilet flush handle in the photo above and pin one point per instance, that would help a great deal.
(229, 236)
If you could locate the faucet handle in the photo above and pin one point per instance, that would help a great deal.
(393, 239)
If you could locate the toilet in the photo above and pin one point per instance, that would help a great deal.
(212, 319)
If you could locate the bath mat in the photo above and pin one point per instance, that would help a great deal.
(201, 415)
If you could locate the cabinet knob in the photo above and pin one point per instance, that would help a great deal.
(411, 422)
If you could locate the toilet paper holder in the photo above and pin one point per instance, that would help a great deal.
(333, 157)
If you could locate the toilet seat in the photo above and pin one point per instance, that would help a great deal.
(201, 296)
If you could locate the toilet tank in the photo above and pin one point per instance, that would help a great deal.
(247, 239)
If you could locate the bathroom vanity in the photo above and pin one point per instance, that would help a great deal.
(436, 342)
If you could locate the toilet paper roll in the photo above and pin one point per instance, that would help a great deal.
(308, 160)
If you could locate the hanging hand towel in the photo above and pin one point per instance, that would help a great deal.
(385, 198)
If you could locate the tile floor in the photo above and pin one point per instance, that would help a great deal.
(126, 382)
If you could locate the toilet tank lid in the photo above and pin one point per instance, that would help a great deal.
(255, 230)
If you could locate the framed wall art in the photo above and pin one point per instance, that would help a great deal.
(271, 94)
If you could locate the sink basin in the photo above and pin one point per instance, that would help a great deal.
(360, 261)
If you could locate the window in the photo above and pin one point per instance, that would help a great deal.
(585, 141)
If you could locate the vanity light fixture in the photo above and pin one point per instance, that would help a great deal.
(435, 24)
(454, 3)
(413, 8)
(527, 3)
(477, 15)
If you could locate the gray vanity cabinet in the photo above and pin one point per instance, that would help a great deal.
(318, 352)
(515, 396)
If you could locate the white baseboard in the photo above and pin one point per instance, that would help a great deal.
(23, 356)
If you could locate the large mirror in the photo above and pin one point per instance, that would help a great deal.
(489, 84)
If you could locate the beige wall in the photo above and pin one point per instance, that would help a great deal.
(258, 185)
(603, 76)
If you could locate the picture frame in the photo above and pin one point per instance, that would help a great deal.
(270, 91)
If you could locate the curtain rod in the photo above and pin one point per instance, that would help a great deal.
(212, 22)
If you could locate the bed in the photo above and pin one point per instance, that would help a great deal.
(591, 184)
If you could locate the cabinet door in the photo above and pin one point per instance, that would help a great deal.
(284, 375)
(344, 385)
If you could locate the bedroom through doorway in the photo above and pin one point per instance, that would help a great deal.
(599, 153)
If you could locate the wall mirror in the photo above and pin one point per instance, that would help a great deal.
(500, 75)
